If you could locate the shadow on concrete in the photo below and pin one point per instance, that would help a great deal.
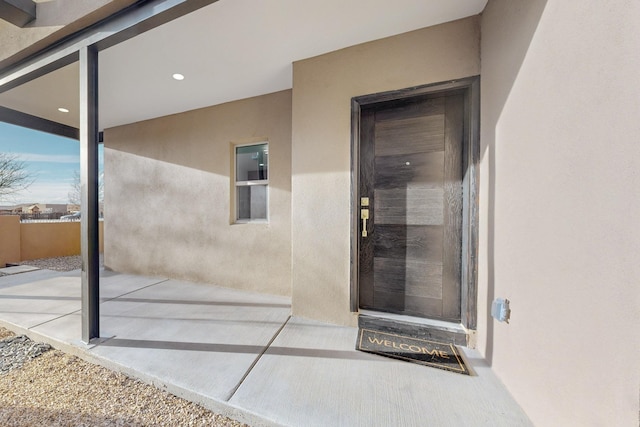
(238, 348)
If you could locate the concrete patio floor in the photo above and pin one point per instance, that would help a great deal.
(242, 355)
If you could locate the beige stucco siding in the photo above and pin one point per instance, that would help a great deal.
(321, 189)
(559, 212)
(168, 196)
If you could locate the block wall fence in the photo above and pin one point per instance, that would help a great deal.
(33, 240)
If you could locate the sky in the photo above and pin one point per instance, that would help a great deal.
(49, 159)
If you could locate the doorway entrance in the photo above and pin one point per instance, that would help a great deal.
(414, 211)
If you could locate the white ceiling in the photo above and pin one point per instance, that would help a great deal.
(229, 50)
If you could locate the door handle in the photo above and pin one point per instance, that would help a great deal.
(364, 216)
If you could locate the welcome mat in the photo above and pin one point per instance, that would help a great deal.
(429, 353)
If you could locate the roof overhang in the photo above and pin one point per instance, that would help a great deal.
(227, 50)
(18, 12)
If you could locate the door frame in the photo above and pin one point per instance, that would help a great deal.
(470, 87)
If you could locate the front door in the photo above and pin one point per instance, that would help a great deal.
(410, 203)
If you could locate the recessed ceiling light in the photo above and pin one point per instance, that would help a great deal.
(178, 76)
(63, 110)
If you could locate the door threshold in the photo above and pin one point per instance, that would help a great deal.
(440, 324)
(416, 327)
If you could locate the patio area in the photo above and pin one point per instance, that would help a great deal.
(241, 354)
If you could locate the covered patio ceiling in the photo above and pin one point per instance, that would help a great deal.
(229, 50)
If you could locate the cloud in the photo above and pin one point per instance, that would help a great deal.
(46, 192)
(48, 158)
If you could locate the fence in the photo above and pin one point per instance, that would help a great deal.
(30, 217)
(23, 241)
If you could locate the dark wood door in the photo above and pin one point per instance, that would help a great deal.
(411, 170)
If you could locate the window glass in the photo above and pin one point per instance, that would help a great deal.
(252, 182)
(252, 202)
(252, 162)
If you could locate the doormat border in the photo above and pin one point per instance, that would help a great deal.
(461, 367)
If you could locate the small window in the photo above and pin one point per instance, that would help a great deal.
(252, 182)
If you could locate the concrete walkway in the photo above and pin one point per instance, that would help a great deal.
(242, 355)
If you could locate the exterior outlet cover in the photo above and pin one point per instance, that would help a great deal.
(500, 310)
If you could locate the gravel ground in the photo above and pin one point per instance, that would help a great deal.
(56, 389)
(16, 351)
(65, 263)
(39, 387)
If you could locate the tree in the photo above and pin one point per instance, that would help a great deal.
(74, 194)
(13, 175)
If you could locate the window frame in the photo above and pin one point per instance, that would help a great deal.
(235, 213)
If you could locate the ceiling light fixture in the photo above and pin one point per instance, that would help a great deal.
(178, 76)
(63, 110)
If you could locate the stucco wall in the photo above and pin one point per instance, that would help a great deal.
(559, 216)
(9, 239)
(26, 241)
(322, 90)
(53, 239)
(168, 196)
